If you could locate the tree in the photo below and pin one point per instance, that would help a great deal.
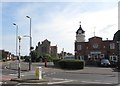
(48, 57)
(33, 55)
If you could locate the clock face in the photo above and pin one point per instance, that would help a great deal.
(95, 45)
(80, 31)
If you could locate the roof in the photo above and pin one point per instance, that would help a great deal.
(80, 28)
(95, 37)
(117, 36)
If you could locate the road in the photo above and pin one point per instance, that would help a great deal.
(86, 78)
(9, 70)
(89, 76)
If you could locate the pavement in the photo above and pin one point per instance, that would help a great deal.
(26, 75)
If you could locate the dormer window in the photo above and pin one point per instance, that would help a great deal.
(112, 46)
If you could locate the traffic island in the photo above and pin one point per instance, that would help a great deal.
(20, 80)
(9, 83)
(35, 78)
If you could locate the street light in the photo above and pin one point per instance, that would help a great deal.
(16, 37)
(30, 44)
(30, 38)
(19, 66)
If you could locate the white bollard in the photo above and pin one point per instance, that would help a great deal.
(38, 72)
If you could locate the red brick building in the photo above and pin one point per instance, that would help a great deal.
(6, 55)
(46, 48)
(95, 48)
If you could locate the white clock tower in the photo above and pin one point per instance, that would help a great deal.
(80, 34)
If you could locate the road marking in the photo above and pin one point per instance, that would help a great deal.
(1, 83)
(60, 82)
(49, 83)
(22, 75)
(93, 82)
(12, 74)
(28, 84)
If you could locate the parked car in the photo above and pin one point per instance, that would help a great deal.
(105, 63)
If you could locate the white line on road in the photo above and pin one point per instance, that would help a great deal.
(49, 83)
(1, 83)
(29, 84)
(93, 82)
(60, 82)
(13, 74)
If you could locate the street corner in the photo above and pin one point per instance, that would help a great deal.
(34, 80)
(8, 83)
(6, 78)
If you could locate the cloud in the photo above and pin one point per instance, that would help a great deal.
(62, 27)
(59, 0)
(100, 20)
(58, 22)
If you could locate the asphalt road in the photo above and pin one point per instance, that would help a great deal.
(90, 76)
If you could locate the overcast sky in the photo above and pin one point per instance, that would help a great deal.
(57, 22)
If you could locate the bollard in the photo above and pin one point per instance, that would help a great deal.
(38, 73)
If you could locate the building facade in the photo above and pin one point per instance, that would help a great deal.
(46, 48)
(6, 55)
(53, 50)
(95, 48)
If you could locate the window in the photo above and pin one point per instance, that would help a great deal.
(79, 47)
(112, 46)
(95, 45)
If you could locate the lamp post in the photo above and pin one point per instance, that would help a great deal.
(19, 66)
(16, 37)
(30, 44)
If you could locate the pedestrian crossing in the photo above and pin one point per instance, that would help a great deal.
(1, 83)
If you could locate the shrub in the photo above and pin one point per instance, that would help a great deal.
(26, 58)
(71, 64)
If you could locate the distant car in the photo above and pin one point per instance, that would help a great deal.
(105, 63)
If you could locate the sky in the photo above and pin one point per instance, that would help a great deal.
(56, 21)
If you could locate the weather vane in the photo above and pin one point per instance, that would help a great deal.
(80, 22)
(94, 30)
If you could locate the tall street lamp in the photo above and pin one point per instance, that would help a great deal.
(16, 37)
(19, 66)
(30, 44)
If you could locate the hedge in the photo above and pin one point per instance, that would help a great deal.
(71, 64)
(56, 62)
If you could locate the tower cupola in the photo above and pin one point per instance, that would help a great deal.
(80, 30)
(80, 34)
